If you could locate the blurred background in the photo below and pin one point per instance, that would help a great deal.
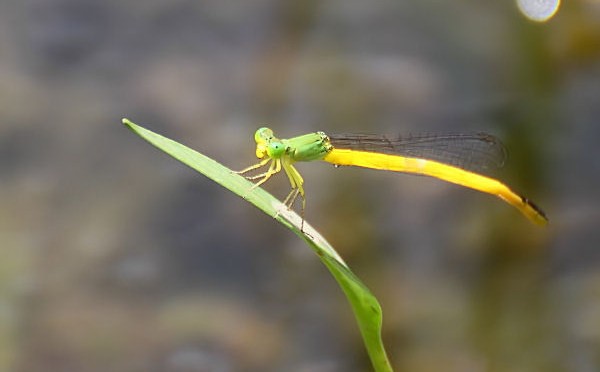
(115, 257)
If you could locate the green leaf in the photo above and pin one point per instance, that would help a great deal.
(365, 306)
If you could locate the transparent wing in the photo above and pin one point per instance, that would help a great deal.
(476, 152)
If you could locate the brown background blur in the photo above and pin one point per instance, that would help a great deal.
(114, 257)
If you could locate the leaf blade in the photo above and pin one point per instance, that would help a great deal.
(364, 304)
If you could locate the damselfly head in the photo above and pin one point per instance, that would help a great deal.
(263, 135)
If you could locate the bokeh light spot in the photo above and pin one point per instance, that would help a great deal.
(538, 10)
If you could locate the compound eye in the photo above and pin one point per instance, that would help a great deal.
(275, 149)
(263, 135)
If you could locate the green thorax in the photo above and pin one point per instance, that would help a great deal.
(308, 147)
